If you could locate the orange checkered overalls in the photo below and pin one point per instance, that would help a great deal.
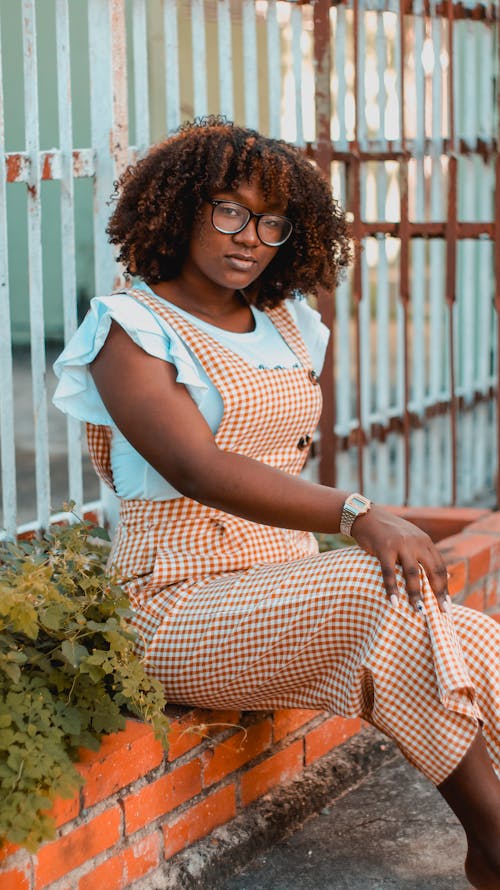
(233, 614)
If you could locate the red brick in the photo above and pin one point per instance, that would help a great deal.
(441, 522)
(142, 857)
(7, 849)
(189, 730)
(289, 719)
(126, 867)
(276, 769)
(235, 751)
(200, 820)
(330, 734)
(475, 600)
(81, 845)
(122, 758)
(476, 549)
(492, 592)
(458, 577)
(110, 874)
(489, 524)
(64, 810)
(162, 796)
(15, 879)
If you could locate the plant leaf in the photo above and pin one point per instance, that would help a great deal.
(74, 652)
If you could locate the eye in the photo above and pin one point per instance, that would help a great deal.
(229, 211)
(271, 222)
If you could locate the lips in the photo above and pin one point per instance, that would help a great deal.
(241, 262)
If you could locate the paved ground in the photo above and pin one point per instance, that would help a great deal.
(392, 832)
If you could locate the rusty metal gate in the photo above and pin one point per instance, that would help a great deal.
(397, 102)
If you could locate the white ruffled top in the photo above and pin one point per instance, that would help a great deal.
(77, 395)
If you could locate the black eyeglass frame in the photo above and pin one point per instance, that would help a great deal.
(258, 216)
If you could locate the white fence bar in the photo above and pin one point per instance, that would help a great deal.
(141, 81)
(436, 470)
(340, 75)
(198, 39)
(64, 104)
(8, 450)
(397, 68)
(361, 96)
(383, 322)
(101, 117)
(37, 327)
(273, 54)
(225, 52)
(172, 92)
(119, 133)
(250, 64)
(296, 25)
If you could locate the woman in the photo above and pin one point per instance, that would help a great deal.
(200, 386)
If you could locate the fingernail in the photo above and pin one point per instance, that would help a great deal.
(448, 575)
(394, 601)
(419, 607)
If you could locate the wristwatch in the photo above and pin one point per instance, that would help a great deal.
(355, 505)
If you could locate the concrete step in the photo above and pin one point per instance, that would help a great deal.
(392, 831)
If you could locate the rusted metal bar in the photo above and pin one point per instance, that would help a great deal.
(497, 277)
(372, 150)
(322, 58)
(378, 430)
(469, 230)
(404, 291)
(451, 257)
(478, 12)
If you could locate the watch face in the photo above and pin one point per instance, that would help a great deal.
(357, 502)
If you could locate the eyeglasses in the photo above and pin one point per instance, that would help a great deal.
(229, 217)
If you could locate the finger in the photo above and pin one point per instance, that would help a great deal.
(437, 575)
(411, 574)
(390, 581)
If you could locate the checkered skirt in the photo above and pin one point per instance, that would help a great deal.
(233, 614)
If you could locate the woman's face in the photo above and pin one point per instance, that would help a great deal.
(232, 261)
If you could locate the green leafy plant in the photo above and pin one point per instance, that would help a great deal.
(333, 542)
(68, 672)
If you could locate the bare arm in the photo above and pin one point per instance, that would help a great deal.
(159, 418)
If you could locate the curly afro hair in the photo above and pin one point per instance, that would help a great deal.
(159, 197)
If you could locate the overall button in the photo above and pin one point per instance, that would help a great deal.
(313, 377)
(303, 442)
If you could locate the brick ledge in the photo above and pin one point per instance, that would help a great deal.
(145, 820)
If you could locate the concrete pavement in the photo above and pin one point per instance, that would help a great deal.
(392, 831)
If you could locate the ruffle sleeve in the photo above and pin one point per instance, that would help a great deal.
(76, 393)
(314, 333)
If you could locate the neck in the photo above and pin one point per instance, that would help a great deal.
(224, 308)
(218, 304)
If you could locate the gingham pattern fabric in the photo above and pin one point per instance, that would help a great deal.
(232, 614)
(99, 445)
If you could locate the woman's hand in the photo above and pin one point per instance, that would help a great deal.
(393, 540)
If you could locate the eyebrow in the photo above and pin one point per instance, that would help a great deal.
(239, 199)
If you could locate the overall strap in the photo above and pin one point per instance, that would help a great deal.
(99, 445)
(220, 358)
(283, 321)
(222, 365)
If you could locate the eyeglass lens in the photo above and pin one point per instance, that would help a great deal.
(230, 218)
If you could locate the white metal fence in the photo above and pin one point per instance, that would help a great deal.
(396, 101)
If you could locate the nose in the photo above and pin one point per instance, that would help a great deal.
(248, 235)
